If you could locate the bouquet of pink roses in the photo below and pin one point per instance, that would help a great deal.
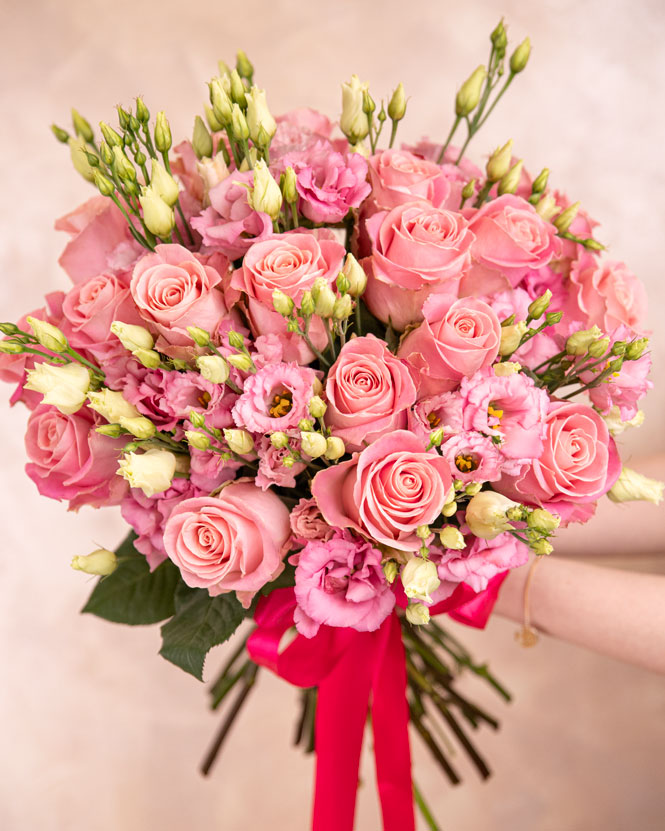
(333, 385)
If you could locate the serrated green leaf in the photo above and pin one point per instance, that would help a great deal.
(200, 623)
(133, 594)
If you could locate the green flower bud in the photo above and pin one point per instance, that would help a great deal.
(112, 138)
(159, 217)
(397, 104)
(265, 196)
(354, 122)
(342, 283)
(543, 521)
(197, 440)
(279, 440)
(82, 127)
(104, 185)
(390, 571)
(262, 126)
(213, 122)
(244, 66)
(306, 424)
(520, 57)
(238, 91)
(199, 336)
(236, 340)
(307, 304)
(510, 182)
(239, 124)
(213, 368)
(356, 276)
(140, 426)
(197, 419)
(201, 139)
(142, 112)
(599, 347)
(148, 358)
(49, 336)
(102, 562)
(124, 168)
(552, 318)
(517, 513)
(124, 118)
(636, 349)
(313, 444)
(468, 190)
(469, 94)
(593, 245)
(541, 547)
(498, 163)
(564, 220)
(452, 538)
(540, 305)
(547, 207)
(282, 303)
(324, 298)
(222, 106)
(241, 361)
(614, 366)
(436, 437)
(579, 342)
(449, 509)
(132, 337)
(106, 154)
(113, 431)
(163, 140)
(289, 186)
(423, 532)
(343, 307)
(79, 156)
(335, 448)
(317, 406)
(239, 441)
(540, 182)
(499, 38)
(619, 347)
(9, 328)
(473, 488)
(60, 134)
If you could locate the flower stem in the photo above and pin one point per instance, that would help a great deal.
(424, 809)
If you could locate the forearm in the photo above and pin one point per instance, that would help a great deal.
(617, 613)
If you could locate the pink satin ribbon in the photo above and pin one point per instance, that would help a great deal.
(353, 672)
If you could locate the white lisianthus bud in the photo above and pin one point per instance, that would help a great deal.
(49, 336)
(147, 357)
(356, 276)
(543, 521)
(451, 537)
(241, 361)
(498, 163)
(390, 570)
(279, 440)
(547, 207)
(335, 448)
(164, 185)
(632, 485)
(506, 368)
(282, 303)
(324, 298)
(132, 337)
(222, 106)
(239, 441)
(201, 139)
(157, 215)
(77, 148)
(265, 196)
(198, 335)
(449, 509)
(197, 440)
(64, 387)
(473, 488)
(342, 307)
(420, 579)
(616, 425)
(469, 93)
(102, 562)
(258, 115)
(213, 368)
(354, 121)
(317, 406)
(111, 405)
(114, 431)
(197, 419)
(579, 342)
(436, 437)
(417, 614)
(511, 337)
(141, 427)
(486, 514)
(541, 547)
(289, 186)
(313, 444)
(151, 471)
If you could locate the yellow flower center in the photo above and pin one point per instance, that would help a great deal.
(434, 420)
(493, 412)
(204, 399)
(466, 462)
(281, 404)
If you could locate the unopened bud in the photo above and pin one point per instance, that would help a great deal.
(324, 298)
(198, 335)
(148, 357)
(236, 340)
(552, 318)
(222, 106)
(540, 182)
(158, 216)
(578, 343)
(289, 186)
(510, 182)
(82, 127)
(505, 368)
(262, 125)
(499, 38)
(306, 424)
(60, 134)
(547, 207)
(498, 163)
(163, 138)
(113, 431)
(241, 361)
(213, 368)
(139, 426)
(132, 337)
(542, 520)
(164, 185)
(390, 571)
(238, 91)
(511, 337)
(564, 220)
(468, 96)
(317, 407)
(102, 562)
(239, 441)
(436, 437)
(343, 307)
(112, 138)
(397, 104)
(142, 112)
(265, 196)
(313, 444)
(282, 303)
(201, 139)
(279, 440)
(599, 347)
(541, 547)
(49, 336)
(196, 419)
(449, 509)
(417, 614)
(540, 305)
(452, 538)
(79, 157)
(335, 448)
(197, 440)
(636, 349)
(244, 66)
(356, 276)
(520, 57)
(469, 189)
(307, 304)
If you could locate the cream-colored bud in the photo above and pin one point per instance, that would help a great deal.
(157, 215)
(148, 357)
(324, 298)
(486, 514)
(132, 337)
(565, 219)
(239, 126)
(239, 441)
(259, 116)
(469, 94)
(498, 163)
(390, 570)
(631, 486)
(520, 57)
(201, 139)
(197, 440)
(436, 437)
(113, 431)
(212, 171)
(140, 426)
(77, 150)
(163, 139)
(279, 440)
(317, 407)
(335, 448)
(313, 444)
(152, 471)
(451, 537)
(579, 342)
(615, 423)
(511, 337)
(397, 104)
(473, 488)
(238, 94)
(543, 521)
(49, 336)
(164, 185)
(64, 387)
(506, 368)
(213, 368)
(420, 579)
(282, 303)
(111, 405)
(417, 614)
(540, 305)
(241, 361)
(547, 207)
(541, 547)
(306, 424)
(356, 276)
(197, 419)
(342, 307)
(511, 181)
(354, 121)
(102, 562)
(449, 509)
(265, 196)
(222, 106)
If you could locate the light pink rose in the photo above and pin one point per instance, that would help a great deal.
(69, 460)
(472, 457)
(456, 339)
(275, 399)
(272, 471)
(416, 250)
(173, 290)
(481, 560)
(431, 151)
(386, 491)
(398, 176)
(233, 542)
(307, 523)
(340, 582)
(440, 411)
(579, 464)
(368, 391)
(609, 295)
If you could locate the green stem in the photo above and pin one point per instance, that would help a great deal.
(331, 342)
(393, 133)
(424, 809)
(495, 102)
(553, 359)
(294, 214)
(136, 234)
(74, 354)
(452, 132)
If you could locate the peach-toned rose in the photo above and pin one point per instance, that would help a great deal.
(398, 176)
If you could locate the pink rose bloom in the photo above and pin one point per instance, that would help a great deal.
(440, 411)
(308, 524)
(147, 516)
(271, 470)
(416, 250)
(100, 240)
(472, 457)
(187, 391)
(208, 470)
(481, 560)
(90, 308)
(579, 464)
(511, 239)
(510, 407)
(456, 339)
(340, 582)
(275, 399)
(431, 151)
(230, 224)
(609, 295)
(69, 460)
(232, 542)
(173, 290)
(386, 491)
(398, 176)
(368, 391)
(329, 183)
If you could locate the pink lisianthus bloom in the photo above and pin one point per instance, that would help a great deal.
(456, 339)
(100, 240)
(439, 411)
(340, 582)
(147, 516)
(430, 150)
(275, 399)
(417, 250)
(510, 407)
(173, 290)
(368, 391)
(146, 390)
(70, 460)
(271, 470)
(386, 491)
(329, 183)
(398, 176)
(208, 470)
(623, 389)
(579, 464)
(187, 391)
(308, 524)
(230, 224)
(233, 542)
(298, 131)
(472, 457)
(481, 560)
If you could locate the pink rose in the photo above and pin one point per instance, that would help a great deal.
(69, 460)
(307, 523)
(431, 151)
(386, 491)
(340, 582)
(174, 290)
(481, 560)
(398, 176)
(298, 131)
(416, 250)
(456, 339)
(609, 295)
(275, 399)
(233, 542)
(368, 391)
(579, 464)
(472, 457)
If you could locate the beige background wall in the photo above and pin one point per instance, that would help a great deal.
(100, 733)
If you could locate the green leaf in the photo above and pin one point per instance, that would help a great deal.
(200, 622)
(133, 594)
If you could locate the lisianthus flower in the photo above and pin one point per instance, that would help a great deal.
(275, 399)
